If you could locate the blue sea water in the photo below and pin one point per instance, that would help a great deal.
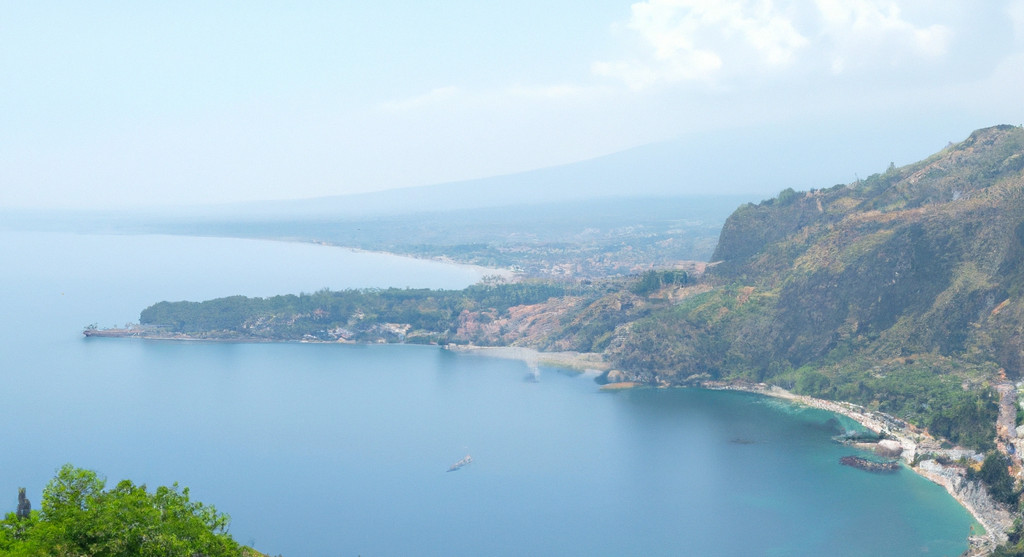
(323, 449)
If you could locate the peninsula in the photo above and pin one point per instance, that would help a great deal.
(899, 295)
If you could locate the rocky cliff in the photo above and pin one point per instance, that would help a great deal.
(904, 290)
(919, 259)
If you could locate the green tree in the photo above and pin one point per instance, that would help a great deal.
(787, 196)
(80, 517)
(651, 281)
(995, 475)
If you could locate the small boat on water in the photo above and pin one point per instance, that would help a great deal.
(460, 463)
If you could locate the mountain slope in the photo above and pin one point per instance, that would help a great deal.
(913, 260)
(904, 291)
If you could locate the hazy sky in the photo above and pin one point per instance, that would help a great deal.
(114, 104)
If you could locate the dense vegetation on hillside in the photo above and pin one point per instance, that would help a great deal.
(902, 291)
(368, 315)
(80, 516)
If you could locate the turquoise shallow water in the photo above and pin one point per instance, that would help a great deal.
(342, 450)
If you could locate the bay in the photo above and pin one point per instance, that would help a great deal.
(324, 449)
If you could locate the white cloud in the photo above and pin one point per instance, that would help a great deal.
(726, 40)
(863, 33)
(697, 40)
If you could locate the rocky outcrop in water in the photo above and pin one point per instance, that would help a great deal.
(870, 465)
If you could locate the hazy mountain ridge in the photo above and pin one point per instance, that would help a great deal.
(752, 161)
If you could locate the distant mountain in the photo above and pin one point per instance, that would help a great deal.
(755, 162)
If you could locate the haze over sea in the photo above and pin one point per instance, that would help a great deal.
(323, 449)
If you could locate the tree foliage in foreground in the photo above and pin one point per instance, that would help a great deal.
(79, 516)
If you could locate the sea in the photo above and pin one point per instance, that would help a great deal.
(344, 450)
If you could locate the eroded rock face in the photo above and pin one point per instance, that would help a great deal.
(889, 447)
(616, 376)
(973, 495)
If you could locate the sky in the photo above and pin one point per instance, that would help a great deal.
(137, 104)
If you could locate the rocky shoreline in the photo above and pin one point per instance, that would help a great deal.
(579, 361)
(870, 465)
(915, 448)
(920, 452)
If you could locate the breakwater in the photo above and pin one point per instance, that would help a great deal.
(870, 465)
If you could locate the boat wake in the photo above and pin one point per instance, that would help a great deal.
(468, 459)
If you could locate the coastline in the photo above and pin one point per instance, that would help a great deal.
(915, 445)
(504, 273)
(578, 361)
(918, 449)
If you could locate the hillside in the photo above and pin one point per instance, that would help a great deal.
(921, 259)
(901, 291)
(925, 258)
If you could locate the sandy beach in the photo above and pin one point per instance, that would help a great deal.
(579, 361)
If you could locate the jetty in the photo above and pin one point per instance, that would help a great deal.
(870, 465)
(114, 333)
